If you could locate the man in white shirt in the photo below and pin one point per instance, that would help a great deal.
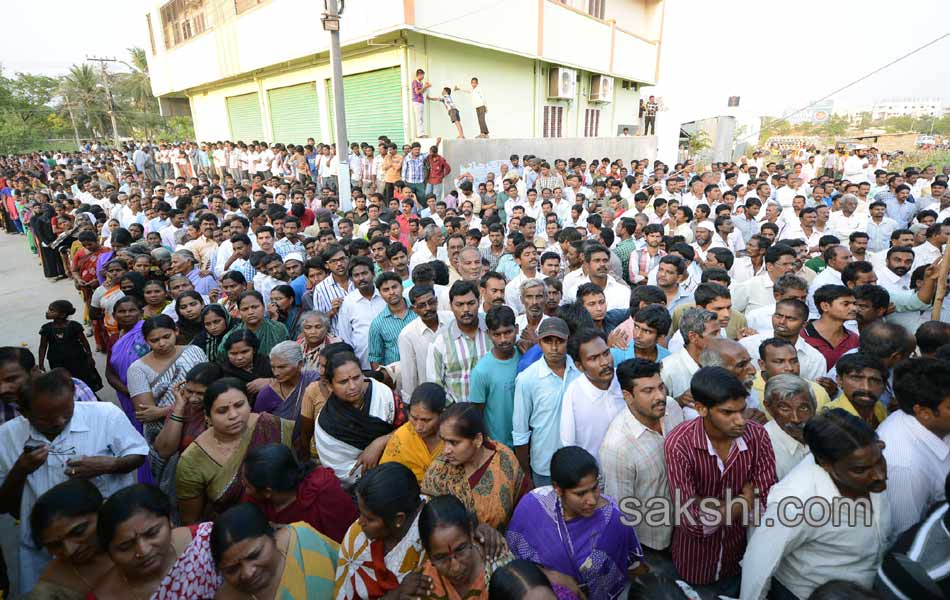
(527, 257)
(697, 326)
(800, 553)
(431, 249)
(789, 316)
(56, 439)
(359, 308)
(590, 402)
(846, 221)
(855, 167)
(789, 401)
(932, 249)
(836, 258)
(416, 337)
(632, 461)
(757, 292)
(478, 102)
(916, 441)
(597, 266)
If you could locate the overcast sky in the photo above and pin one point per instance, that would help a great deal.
(775, 55)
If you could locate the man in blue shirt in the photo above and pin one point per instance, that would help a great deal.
(492, 385)
(536, 419)
(901, 207)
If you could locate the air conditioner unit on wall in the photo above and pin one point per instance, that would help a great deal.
(562, 83)
(601, 88)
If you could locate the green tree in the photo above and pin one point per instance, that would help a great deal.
(772, 126)
(698, 143)
(81, 85)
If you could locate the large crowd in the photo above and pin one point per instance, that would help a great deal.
(563, 379)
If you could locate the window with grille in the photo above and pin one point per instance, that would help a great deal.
(591, 122)
(553, 117)
(183, 20)
(595, 8)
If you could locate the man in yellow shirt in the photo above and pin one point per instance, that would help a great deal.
(861, 379)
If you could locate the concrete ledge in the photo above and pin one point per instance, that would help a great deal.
(479, 156)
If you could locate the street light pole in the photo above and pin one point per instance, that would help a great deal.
(331, 23)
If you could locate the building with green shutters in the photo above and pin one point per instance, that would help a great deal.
(259, 69)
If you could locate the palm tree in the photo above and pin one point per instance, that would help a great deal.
(136, 87)
(81, 84)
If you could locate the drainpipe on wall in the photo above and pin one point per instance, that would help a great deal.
(407, 123)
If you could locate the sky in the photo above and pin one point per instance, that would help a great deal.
(773, 54)
(781, 55)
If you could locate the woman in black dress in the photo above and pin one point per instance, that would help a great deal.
(42, 225)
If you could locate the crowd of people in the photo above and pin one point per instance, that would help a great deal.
(570, 379)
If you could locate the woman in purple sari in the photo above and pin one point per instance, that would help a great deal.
(574, 533)
(284, 395)
(124, 349)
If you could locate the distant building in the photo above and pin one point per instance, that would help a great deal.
(907, 107)
(259, 69)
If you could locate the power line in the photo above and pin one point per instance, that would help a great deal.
(858, 80)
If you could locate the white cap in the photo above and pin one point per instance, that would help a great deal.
(294, 256)
(706, 225)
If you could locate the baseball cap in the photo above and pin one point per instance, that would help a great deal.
(553, 326)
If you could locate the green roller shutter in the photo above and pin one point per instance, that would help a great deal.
(294, 113)
(244, 115)
(373, 106)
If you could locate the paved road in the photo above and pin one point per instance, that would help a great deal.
(24, 295)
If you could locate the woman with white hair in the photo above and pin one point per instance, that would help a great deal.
(314, 337)
(284, 395)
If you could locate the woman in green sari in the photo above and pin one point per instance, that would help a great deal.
(208, 476)
(269, 332)
(288, 561)
(216, 324)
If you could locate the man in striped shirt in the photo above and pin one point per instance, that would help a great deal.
(718, 457)
(458, 348)
(385, 329)
(328, 294)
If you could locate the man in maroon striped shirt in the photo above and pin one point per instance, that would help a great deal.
(720, 468)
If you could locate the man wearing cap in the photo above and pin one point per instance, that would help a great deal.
(855, 168)
(704, 234)
(293, 264)
(536, 419)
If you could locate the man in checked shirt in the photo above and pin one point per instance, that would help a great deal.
(720, 466)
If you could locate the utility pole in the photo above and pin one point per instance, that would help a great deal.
(331, 23)
(105, 80)
(72, 120)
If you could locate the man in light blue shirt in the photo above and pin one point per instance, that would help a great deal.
(536, 420)
(901, 207)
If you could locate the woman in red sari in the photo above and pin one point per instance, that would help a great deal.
(288, 492)
(84, 274)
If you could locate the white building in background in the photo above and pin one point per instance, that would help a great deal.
(259, 69)
(907, 107)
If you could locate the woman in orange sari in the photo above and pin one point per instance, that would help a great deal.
(84, 272)
(484, 474)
